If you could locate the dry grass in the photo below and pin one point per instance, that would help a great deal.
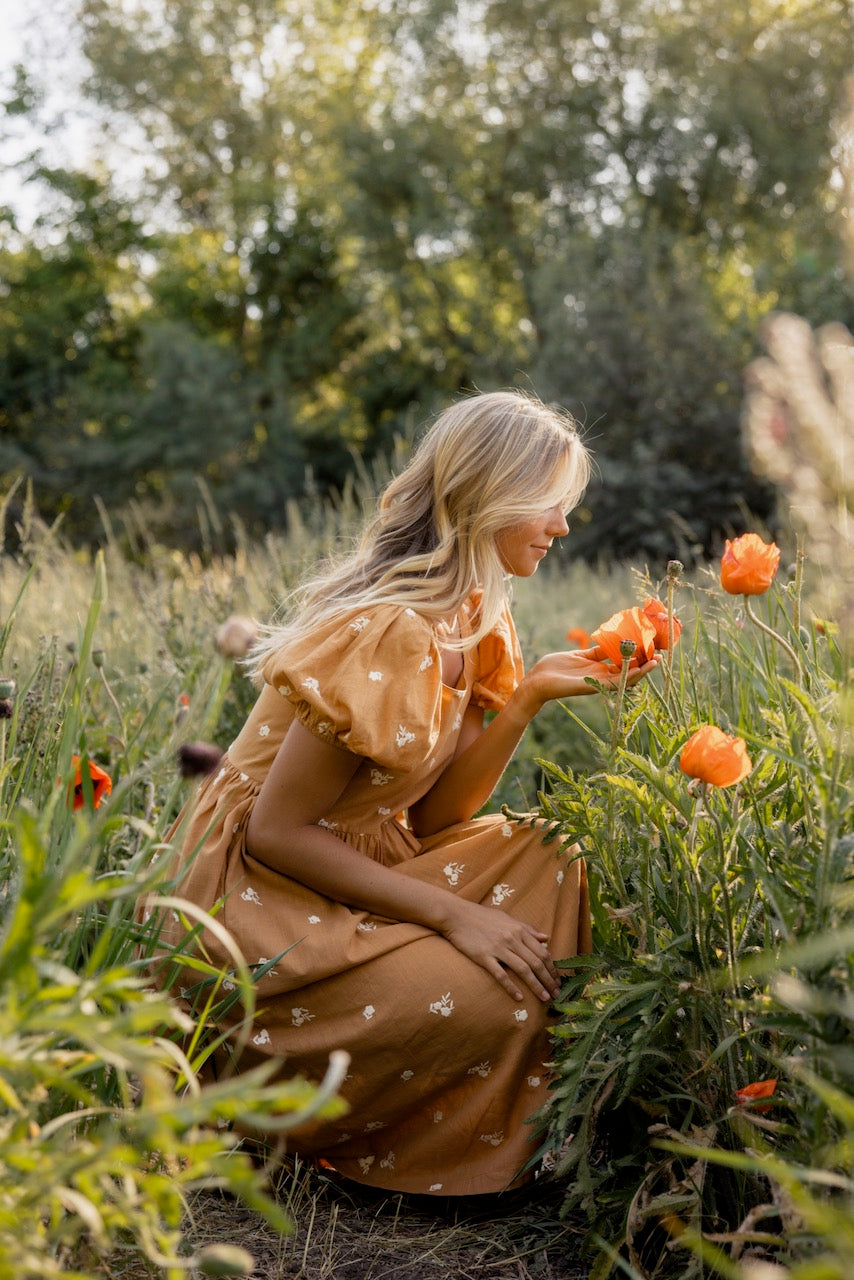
(348, 1232)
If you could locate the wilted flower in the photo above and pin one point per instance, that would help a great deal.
(182, 707)
(102, 783)
(196, 759)
(748, 565)
(579, 637)
(656, 611)
(716, 757)
(236, 636)
(748, 1094)
(628, 624)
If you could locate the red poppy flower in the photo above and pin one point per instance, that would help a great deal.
(628, 624)
(656, 611)
(747, 1095)
(579, 637)
(716, 757)
(748, 565)
(102, 783)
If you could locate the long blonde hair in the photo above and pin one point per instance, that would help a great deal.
(489, 461)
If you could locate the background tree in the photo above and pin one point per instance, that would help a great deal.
(345, 214)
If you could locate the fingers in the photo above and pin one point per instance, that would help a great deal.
(535, 968)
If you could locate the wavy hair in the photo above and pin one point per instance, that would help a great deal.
(491, 460)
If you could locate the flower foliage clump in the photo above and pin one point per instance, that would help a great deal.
(716, 828)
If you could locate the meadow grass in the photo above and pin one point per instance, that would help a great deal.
(722, 927)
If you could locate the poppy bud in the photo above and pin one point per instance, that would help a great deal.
(236, 636)
(7, 688)
(98, 658)
(182, 706)
(197, 759)
(674, 568)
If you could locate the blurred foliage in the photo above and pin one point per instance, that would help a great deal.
(341, 216)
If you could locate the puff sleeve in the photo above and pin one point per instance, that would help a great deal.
(370, 682)
(499, 664)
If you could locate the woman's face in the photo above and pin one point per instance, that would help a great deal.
(523, 545)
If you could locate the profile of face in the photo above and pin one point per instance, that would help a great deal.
(523, 545)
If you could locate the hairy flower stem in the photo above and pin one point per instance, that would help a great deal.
(775, 635)
(798, 584)
(616, 726)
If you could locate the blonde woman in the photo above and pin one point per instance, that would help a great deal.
(339, 831)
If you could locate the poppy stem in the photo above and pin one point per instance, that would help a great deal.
(616, 723)
(775, 635)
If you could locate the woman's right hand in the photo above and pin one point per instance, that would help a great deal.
(514, 953)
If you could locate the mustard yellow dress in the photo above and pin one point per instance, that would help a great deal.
(446, 1068)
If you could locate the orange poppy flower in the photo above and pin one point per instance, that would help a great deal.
(579, 637)
(748, 565)
(628, 624)
(102, 784)
(656, 611)
(716, 757)
(759, 1089)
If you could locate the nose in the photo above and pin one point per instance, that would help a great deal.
(557, 526)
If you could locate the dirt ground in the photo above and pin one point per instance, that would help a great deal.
(349, 1232)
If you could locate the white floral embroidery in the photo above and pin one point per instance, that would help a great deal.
(436, 1186)
(483, 1069)
(410, 613)
(325, 728)
(494, 1139)
(263, 1037)
(534, 1081)
(521, 1015)
(299, 1016)
(376, 676)
(368, 1012)
(358, 624)
(500, 893)
(366, 926)
(426, 662)
(365, 1162)
(244, 777)
(228, 985)
(311, 684)
(374, 1124)
(285, 690)
(250, 895)
(219, 776)
(383, 811)
(444, 1006)
(314, 919)
(264, 730)
(265, 960)
(438, 1117)
(403, 736)
(322, 822)
(235, 828)
(506, 830)
(453, 871)
(388, 1162)
(407, 1075)
(379, 778)
(559, 877)
(458, 719)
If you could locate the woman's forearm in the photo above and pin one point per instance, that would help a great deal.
(315, 857)
(473, 775)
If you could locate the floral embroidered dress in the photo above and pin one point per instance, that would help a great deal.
(446, 1068)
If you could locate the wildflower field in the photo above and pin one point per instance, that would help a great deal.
(702, 1116)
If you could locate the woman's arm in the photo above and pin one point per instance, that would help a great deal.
(305, 780)
(483, 754)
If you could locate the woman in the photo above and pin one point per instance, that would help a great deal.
(340, 835)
